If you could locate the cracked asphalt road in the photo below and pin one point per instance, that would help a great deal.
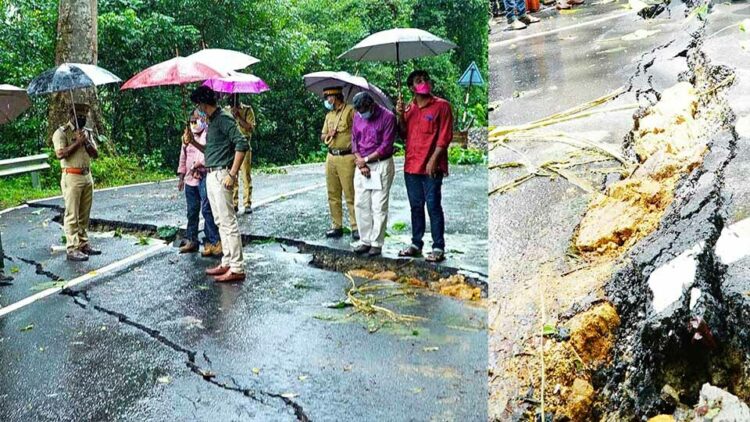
(156, 340)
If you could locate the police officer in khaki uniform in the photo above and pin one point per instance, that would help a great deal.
(337, 135)
(245, 117)
(75, 147)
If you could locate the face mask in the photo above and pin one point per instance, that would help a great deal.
(198, 126)
(81, 122)
(366, 115)
(422, 88)
(328, 105)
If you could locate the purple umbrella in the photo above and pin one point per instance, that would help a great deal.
(238, 83)
(317, 82)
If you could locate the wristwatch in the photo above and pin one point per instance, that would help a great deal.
(367, 159)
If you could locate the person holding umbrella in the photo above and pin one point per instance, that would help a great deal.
(245, 117)
(337, 135)
(75, 148)
(192, 179)
(426, 125)
(373, 133)
(224, 151)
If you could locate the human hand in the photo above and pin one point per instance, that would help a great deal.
(331, 133)
(365, 171)
(360, 162)
(181, 184)
(432, 168)
(228, 182)
(400, 106)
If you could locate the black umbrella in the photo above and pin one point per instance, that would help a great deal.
(70, 76)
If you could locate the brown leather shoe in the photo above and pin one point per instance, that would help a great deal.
(76, 255)
(189, 247)
(563, 5)
(208, 249)
(230, 277)
(218, 270)
(88, 250)
(575, 2)
(217, 250)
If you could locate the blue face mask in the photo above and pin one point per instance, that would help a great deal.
(366, 115)
(328, 105)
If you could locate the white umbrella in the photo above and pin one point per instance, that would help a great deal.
(13, 102)
(224, 59)
(397, 45)
(317, 82)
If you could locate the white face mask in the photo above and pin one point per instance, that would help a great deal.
(328, 105)
(198, 126)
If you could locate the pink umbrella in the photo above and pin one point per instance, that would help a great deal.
(238, 83)
(176, 71)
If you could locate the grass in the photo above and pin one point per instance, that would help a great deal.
(107, 172)
(469, 156)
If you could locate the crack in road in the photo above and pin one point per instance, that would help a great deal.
(206, 375)
(40, 269)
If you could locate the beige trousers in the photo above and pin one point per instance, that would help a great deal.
(371, 205)
(247, 183)
(222, 208)
(340, 179)
(78, 193)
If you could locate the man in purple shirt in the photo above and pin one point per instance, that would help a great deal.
(373, 133)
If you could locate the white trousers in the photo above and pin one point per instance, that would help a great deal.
(222, 208)
(371, 205)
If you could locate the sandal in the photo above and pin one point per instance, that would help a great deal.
(436, 256)
(411, 252)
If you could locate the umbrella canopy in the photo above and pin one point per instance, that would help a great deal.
(176, 71)
(70, 76)
(318, 81)
(397, 45)
(13, 102)
(224, 59)
(238, 83)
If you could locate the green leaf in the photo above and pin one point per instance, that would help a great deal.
(27, 328)
(14, 269)
(549, 330)
(399, 226)
(338, 305)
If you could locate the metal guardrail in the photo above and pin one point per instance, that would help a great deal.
(32, 164)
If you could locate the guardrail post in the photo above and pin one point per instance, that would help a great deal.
(35, 180)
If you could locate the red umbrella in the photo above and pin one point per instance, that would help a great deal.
(176, 71)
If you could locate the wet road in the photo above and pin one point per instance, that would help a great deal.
(154, 340)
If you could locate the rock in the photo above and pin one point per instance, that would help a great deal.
(361, 274)
(592, 333)
(729, 407)
(579, 400)
(385, 275)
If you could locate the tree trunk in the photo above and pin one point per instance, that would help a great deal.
(76, 43)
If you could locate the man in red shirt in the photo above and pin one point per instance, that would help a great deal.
(426, 124)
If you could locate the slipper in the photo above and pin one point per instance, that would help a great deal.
(411, 252)
(435, 256)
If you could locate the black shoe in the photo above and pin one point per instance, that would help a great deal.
(77, 255)
(335, 233)
(375, 251)
(236, 209)
(355, 234)
(88, 250)
(362, 249)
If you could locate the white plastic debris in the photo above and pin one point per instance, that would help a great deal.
(671, 279)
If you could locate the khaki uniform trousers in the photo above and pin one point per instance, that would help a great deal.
(222, 208)
(247, 183)
(340, 179)
(371, 205)
(78, 193)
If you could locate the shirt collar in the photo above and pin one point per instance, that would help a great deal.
(430, 100)
(215, 114)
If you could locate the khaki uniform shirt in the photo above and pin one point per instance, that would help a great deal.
(247, 114)
(344, 117)
(63, 137)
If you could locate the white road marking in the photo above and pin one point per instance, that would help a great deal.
(556, 30)
(86, 277)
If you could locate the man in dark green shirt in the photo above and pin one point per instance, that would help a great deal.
(224, 151)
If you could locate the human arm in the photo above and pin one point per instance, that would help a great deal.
(445, 136)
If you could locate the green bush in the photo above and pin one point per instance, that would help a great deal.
(469, 156)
